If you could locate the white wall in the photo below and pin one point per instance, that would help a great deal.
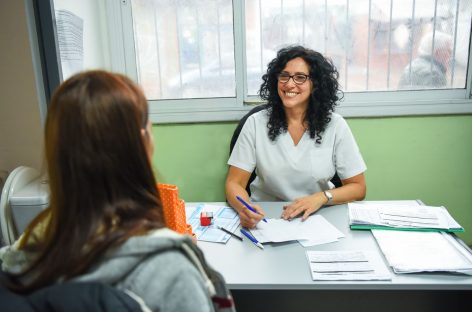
(21, 133)
(21, 113)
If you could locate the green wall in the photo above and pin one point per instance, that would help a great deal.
(427, 158)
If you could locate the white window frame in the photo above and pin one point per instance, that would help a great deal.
(354, 104)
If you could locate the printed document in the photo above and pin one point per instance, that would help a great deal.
(409, 252)
(401, 216)
(347, 265)
(223, 216)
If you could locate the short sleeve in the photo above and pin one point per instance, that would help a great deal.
(348, 158)
(243, 155)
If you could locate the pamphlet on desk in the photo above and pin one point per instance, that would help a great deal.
(407, 217)
(225, 217)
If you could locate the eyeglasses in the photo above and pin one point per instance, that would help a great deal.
(297, 78)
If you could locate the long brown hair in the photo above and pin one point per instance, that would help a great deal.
(103, 190)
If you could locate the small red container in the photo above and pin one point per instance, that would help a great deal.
(205, 218)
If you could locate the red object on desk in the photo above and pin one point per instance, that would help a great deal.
(205, 218)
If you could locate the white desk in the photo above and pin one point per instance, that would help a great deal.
(278, 277)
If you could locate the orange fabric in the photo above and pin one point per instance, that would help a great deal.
(174, 209)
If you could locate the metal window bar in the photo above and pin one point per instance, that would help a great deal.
(303, 21)
(261, 36)
(434, 34)
(347, 38)
(156, 28)
(138, 59)
(219, 38)
(199, 39)
(412, 39)
(326, 28)
(282, 22)
(179, 44)
(389, 44)
(368, 45)
(453, 60)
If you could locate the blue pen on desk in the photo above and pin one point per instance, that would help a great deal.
(252, 238)
(249, 207)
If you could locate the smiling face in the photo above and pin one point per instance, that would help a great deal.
(295, 95)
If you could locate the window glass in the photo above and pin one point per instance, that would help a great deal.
(184, 49)
(377, 45)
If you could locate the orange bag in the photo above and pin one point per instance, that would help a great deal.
(174, 209)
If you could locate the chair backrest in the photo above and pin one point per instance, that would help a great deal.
(235, 136)
(335, 180)
(72, 296)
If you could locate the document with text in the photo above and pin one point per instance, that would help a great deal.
(410, 252)
(365, 215)
(223, 216)
(347, 265)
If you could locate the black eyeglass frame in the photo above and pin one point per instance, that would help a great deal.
(305, 78)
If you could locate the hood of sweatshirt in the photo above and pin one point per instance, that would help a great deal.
(120, 261)
(116, 263)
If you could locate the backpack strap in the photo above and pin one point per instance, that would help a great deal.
(214, 281)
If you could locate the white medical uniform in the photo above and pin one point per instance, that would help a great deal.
(286, 171)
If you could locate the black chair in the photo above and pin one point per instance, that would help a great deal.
(235, 136)
(335, 180)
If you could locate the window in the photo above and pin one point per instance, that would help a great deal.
(202, 60)
(201, 32)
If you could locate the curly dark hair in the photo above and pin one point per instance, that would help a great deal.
(323, 98)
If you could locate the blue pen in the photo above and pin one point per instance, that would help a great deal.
(252, 238)
(249, 207)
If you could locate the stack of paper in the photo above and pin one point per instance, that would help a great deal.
(409, 252)
(346, 265)
(406, 217)
(315, 230)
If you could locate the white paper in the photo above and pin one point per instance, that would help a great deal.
(319, 230)
(278, 230)
(400, 215)
(347, 265)
(70, 37)
(313, 231)
(408, 251)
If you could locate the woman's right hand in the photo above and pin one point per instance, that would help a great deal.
(250, 219)
(235, 186)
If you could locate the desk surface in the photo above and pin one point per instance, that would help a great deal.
(284, 266)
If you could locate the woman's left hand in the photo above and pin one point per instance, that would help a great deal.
(306, 205)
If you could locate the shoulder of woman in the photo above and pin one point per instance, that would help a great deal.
(338, 121)
(169, 280)
(335, 117)
(164, 269)
(335, 121)
(170, 262)
(259, 116)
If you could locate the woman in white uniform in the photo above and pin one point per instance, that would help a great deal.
(297, 144)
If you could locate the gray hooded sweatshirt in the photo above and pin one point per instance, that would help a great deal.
(148, 266)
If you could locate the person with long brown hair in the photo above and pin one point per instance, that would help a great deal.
(105, 221)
